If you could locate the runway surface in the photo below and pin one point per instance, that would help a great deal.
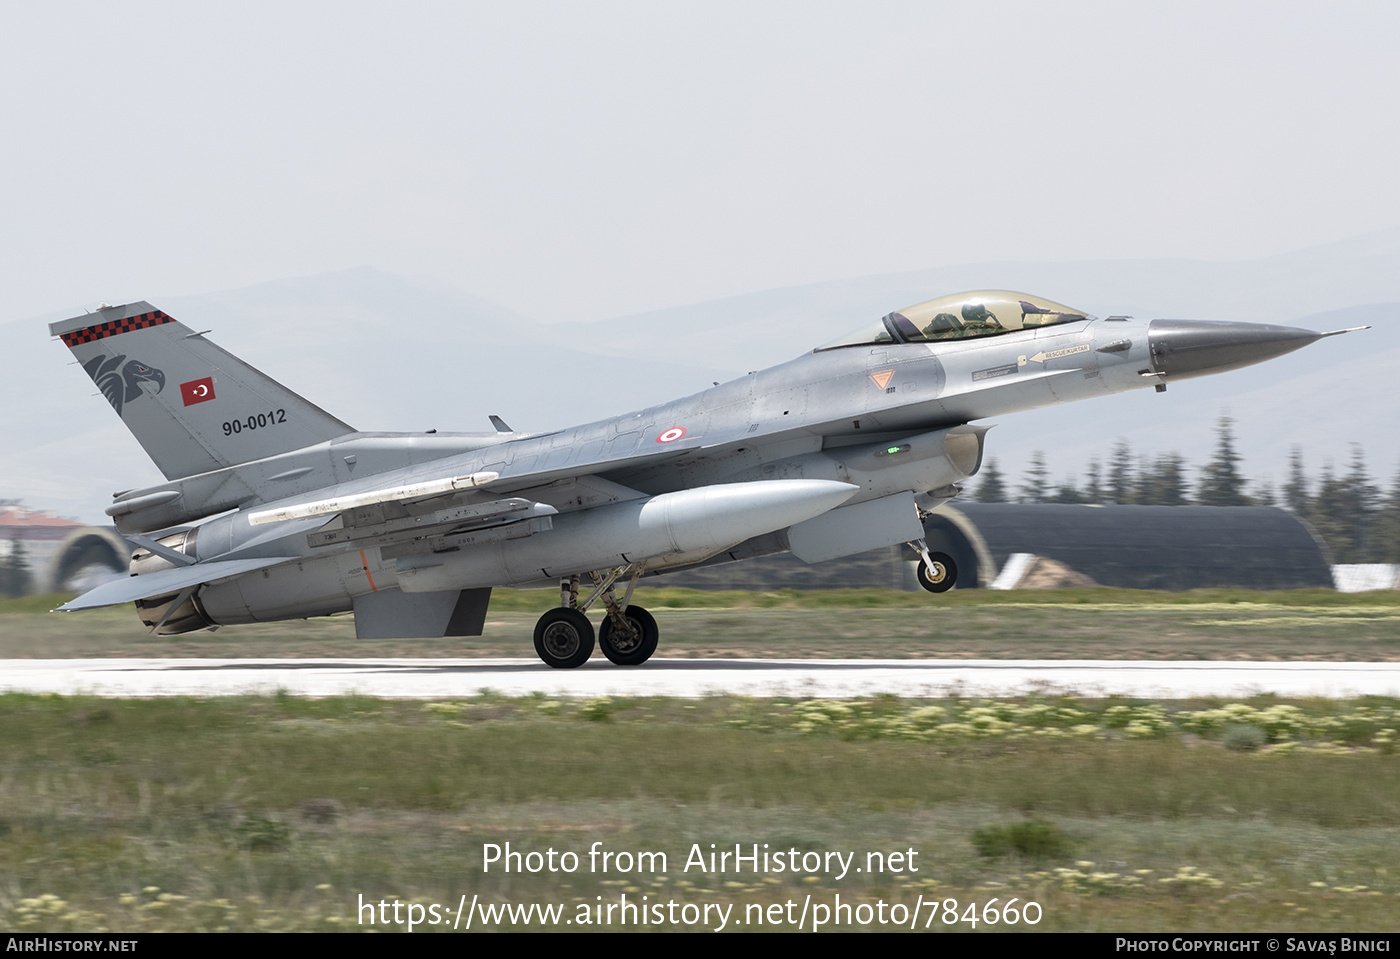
(440, 678)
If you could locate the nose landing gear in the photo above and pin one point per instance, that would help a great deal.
(937, 572)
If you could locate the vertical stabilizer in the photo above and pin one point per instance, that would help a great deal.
(191, 405)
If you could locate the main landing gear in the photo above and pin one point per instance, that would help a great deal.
(564, 638)
(628, 634)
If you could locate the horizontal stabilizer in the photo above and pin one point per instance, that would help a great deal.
(131, 589)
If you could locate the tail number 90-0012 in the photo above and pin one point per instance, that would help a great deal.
(255, 421)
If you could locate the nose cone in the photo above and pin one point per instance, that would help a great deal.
(1185, 348)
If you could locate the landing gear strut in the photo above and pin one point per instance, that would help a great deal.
(628, 634)
(937, 572)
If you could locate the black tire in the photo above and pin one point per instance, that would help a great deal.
(564, 638)
(943, 576)
(630, 653)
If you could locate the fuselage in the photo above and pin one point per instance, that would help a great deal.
(826, 414)
(277, 509)
(884, 417)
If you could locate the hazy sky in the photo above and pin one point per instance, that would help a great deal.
(585, 160)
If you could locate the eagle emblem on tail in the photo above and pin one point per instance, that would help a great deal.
(122, 383)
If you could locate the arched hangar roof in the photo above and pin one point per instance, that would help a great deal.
(1154, 547)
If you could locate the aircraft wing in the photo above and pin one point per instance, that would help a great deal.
(168, 581)
(400, 529)
(437, 514)
(349, 502)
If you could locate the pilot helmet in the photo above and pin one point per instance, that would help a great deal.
(977, 313)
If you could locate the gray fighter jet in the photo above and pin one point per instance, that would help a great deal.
(274, 509)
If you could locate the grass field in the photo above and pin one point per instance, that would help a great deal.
(971, 624)
(281, 813)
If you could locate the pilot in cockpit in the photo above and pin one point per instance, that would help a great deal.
(977, 320)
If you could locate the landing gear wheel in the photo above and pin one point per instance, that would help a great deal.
(941, 576)
(564, 638)
(626, 650)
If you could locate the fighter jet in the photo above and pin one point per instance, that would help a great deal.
(275, 509)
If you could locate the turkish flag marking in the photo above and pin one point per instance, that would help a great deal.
(197, 391)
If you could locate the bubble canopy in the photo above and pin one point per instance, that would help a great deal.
(961, 316)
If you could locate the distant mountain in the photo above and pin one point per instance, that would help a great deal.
(386, 352)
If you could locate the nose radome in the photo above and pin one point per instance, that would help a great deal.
(1185, 348)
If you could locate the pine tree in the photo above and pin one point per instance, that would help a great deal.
(1362, 500)
(1093, 487)
(1163, 483)
(1036, 488)
(1263, 494)
(1386, 531)
(1142, 485)
(1349, 513)
(1221, 482)
(1120, 473)
(1068, 492)
(1330, 516)
(15, 580)
(992, 489)
(1295, 491)
(1174, 480)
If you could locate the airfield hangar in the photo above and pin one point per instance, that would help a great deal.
(60, 554)
(1130, 547)
(1139, 547)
